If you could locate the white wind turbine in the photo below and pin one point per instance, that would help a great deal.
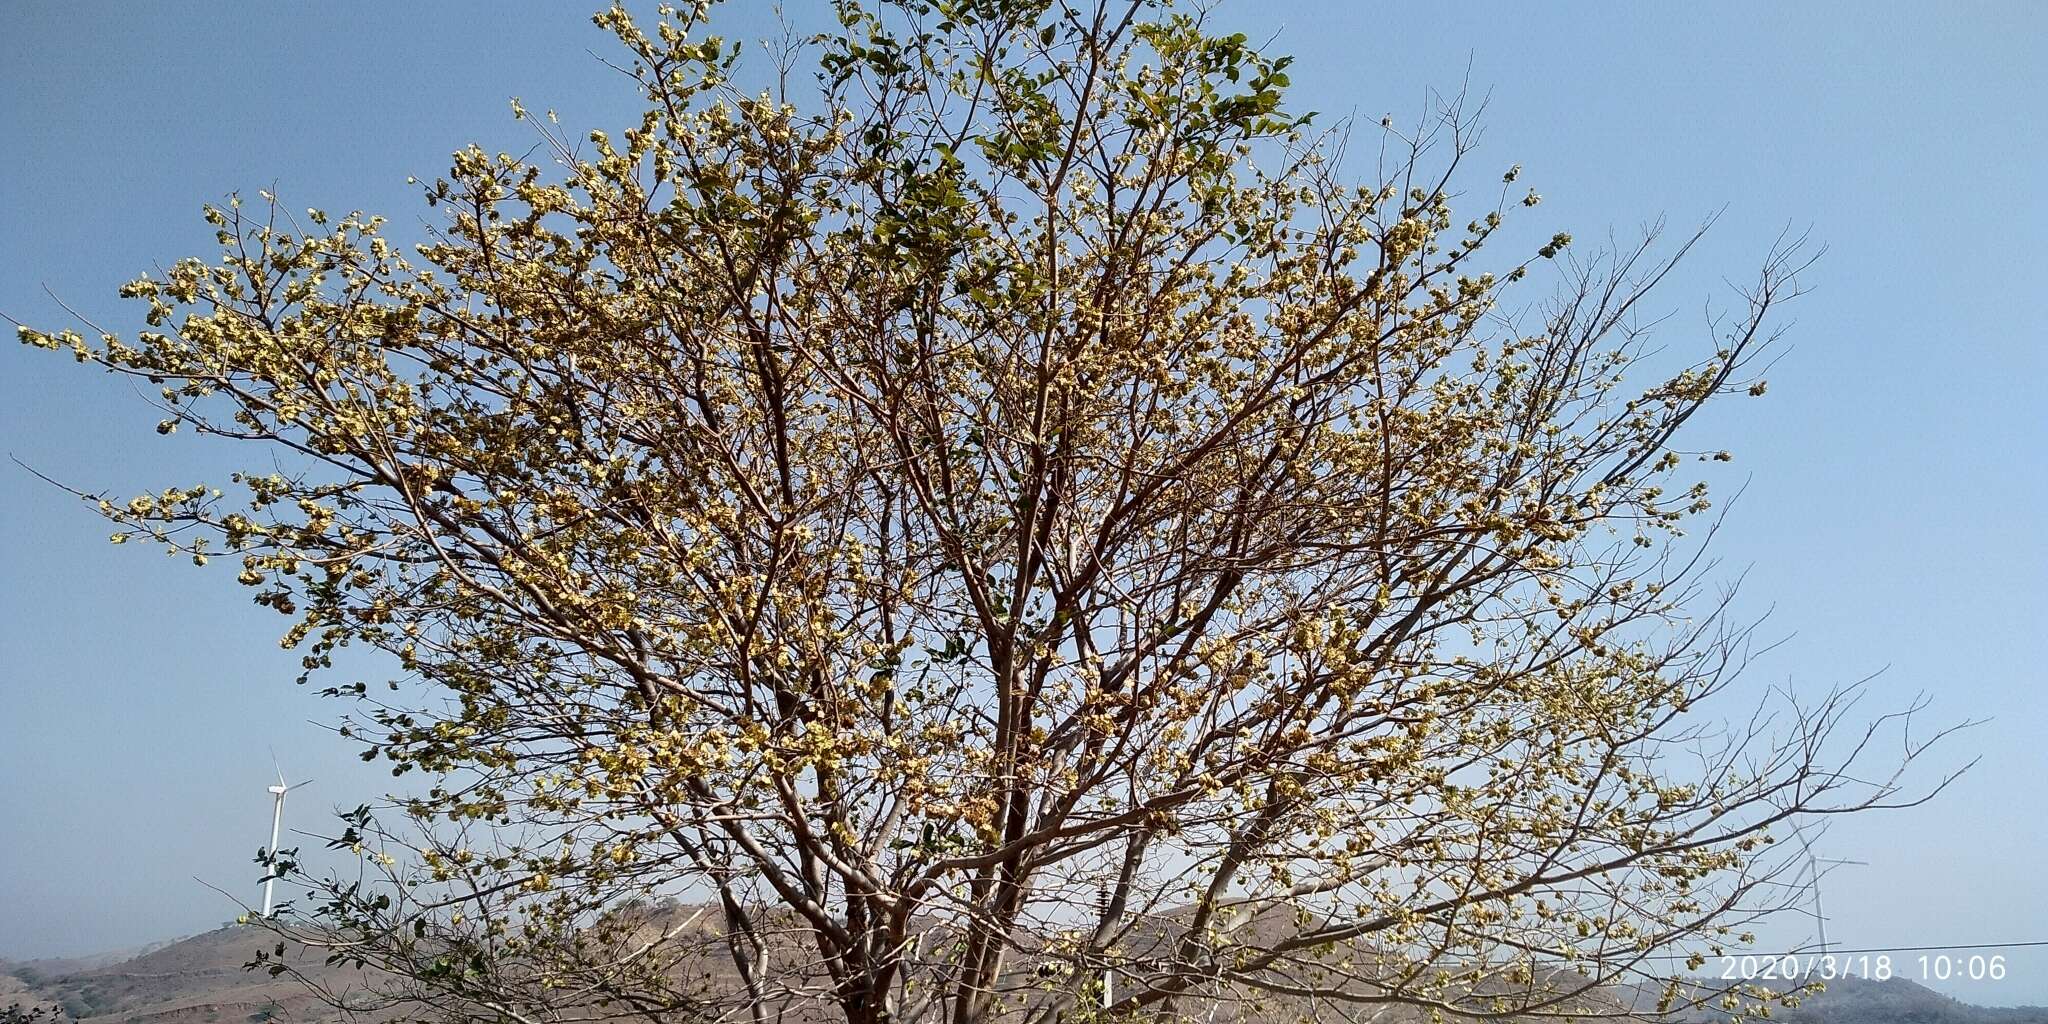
(277, 793)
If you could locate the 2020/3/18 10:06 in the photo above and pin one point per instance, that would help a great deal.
(1881, 967)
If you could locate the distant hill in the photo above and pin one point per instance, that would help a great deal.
(1898, 1001)
(196, 980)
(200, 980)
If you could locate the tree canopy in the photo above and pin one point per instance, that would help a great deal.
(1003, 527)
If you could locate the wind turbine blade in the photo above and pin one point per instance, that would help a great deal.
(295, 785)
(274, 764)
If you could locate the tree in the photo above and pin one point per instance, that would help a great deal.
(1023, 535)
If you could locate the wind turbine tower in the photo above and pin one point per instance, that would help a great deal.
(277, 793)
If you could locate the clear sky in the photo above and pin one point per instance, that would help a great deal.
(1892, 519)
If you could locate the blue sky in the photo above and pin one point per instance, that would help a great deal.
(1891, 520)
